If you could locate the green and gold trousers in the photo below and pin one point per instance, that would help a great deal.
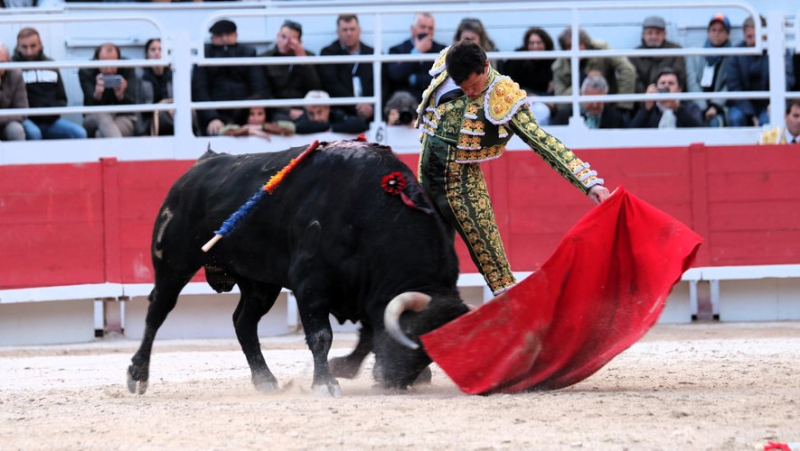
(458, 191)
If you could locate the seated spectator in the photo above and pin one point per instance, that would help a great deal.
(350, 79)
(321, 118)
(45, 89)
(217, 83)
(413, 77)
(155, 87)
(292, 81)
(751, 73)
(109, 86)
(618, 71)
(535, 76)
(253, 122)
(790, 133)
(667, 113)
(12, 95)
(473, 29)
(595, 115)
(654, 36)
(401, 109)
(706, 73)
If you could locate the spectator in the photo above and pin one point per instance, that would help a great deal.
(253, 122)
(321, 118)
(535, 75)
(667, 113)
(595, 114)
(45, 89)
(654, 36)
(217, 83)
(290, 81)
(790, 134)
(473, 29)
(401, 109)
(156, 87)
(109, 86)
(12, 95)
(751, 73)
(618, 71)
(706, 73)
(413, 77)
(350, 79)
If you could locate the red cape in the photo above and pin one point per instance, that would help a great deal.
(601, 290)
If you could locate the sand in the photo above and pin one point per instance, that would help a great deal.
(698, 386)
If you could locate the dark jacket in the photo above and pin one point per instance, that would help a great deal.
(339, 123)
(534, 76)
(412, 77)
(687, 115)
(88, 79)
(45, 88)
(290, 81)
(337, 79)
(609, 118)
(154, 89)
(12, 95)
(218, 83)
(648, 67)
(751, 73)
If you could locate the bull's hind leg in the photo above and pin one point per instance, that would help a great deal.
(257, 299)
(162, 300)
(348, 366)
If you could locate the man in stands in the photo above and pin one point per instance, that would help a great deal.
(12, 95)
(217, 83)
(596, 115)
(667, 113)
(350, 79)
(654, 36)
(321, 118)
(618, 70)
(706, 73)
(291, 81)
(109, 86)
(790, 134)
(413, 77)
(751, 73)
(45, 90)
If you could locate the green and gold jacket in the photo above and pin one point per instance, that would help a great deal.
(480, 128)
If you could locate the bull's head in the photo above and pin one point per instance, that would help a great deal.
(400, 358)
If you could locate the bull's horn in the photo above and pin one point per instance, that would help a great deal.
(391, 316)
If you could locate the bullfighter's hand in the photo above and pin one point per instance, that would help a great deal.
(598, 193)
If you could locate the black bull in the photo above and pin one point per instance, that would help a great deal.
(330, 234)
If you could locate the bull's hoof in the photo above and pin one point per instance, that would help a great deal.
(137, 384)
(424, 377)
(344, 367)
(265, 384)
(331, 389)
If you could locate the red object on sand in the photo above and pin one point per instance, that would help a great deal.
(601, 291)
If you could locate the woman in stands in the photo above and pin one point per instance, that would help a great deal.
(156, 87)
(535, 76)
(473, 29)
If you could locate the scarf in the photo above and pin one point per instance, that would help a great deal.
(713, 60)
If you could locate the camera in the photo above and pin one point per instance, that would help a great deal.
(112, 81)
(422, 36)
(663, 89)
(406, 117)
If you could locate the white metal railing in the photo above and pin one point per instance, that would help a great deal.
(182, 61)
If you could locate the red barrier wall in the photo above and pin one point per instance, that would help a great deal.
(72, 224)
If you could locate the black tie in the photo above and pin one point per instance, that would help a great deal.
(794, 140)
(450, 95)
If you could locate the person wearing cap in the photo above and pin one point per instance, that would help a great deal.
(654, 36)
(751, 73)
(290, 81)
(412, 76)
(322, 118)
(220, 83)
(349, 79)
(705, 73)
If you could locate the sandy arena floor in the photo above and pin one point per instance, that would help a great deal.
(699, 386)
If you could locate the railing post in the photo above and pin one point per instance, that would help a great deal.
(776, 50)
(182, 89)
(575, 66)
